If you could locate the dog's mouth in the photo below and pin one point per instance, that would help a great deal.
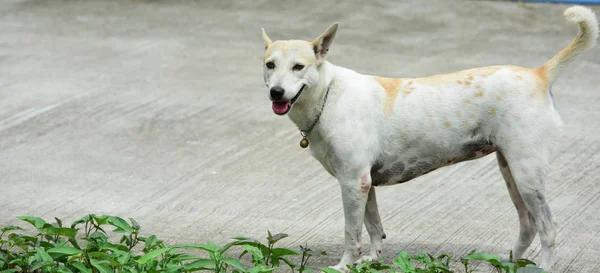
(283, 107)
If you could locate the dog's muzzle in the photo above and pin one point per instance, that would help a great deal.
(284, 106)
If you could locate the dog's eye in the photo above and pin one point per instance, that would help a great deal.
(270, 65)
(298, 67)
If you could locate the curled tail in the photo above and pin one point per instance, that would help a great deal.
(586, 38)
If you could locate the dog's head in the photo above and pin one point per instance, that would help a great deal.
(291, 67)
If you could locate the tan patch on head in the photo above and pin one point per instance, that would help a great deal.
(391, 87)
(303, 49)
(446, 124)
(479, 94)
(467, 83)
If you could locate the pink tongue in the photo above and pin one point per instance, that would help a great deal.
(281, 107)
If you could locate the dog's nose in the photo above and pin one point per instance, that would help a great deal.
(276, 92)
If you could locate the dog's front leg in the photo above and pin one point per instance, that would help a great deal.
(374, 227)
(354, 196)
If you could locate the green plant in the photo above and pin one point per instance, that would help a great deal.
(86, 247)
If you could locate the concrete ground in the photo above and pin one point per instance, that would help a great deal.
(156, 110)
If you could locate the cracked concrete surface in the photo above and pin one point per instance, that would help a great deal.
(156, 110)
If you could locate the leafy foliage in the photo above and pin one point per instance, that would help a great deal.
(85, 247)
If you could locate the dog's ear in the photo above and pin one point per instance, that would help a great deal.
(322, 43)
(268, 41)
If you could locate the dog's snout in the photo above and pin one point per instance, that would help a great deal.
(277, 92)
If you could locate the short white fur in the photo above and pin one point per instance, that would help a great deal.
(382, 131)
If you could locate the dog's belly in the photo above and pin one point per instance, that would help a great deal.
(396, 169)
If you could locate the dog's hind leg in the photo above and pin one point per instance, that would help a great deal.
(529, 171)
(374, 227)
(527, 230)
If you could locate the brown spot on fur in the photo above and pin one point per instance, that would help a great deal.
(470, 77)
(409, 83)
(542, 80)
(479, 94)
(391, 87)
(453, 78)
(498, 98)
(405, 93)
(447, 124)
(467, 101)
(467, 83)
(459, 82)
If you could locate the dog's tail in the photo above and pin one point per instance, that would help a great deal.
(586, 38)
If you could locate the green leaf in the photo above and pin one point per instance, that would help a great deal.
(495, 260)
(10, 228)
(37, 222)
(39, 265)
(82, 267)
(284, 252)
(134, 224)
(289, 263)
(8, 271)
(404, 263)
(102, 267)
(239, 241)
(255, 251)
(43, 255)
(153, 254)
(200, 264)
(112, 247)
(62, 231)
(64, 269)
(58, 221)
(65, 250)
(233, 262)
(83, 219)
(122, 225)
(273, 239)
(208, 247)
(124, 257)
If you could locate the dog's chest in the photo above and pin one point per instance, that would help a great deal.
(394, 169)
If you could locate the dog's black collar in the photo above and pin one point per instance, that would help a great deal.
(304, 133)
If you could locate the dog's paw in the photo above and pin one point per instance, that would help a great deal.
(365, 259)
(340, 268)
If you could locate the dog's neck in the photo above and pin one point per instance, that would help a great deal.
(309, 104)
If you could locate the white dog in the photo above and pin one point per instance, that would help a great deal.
(371, 131)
